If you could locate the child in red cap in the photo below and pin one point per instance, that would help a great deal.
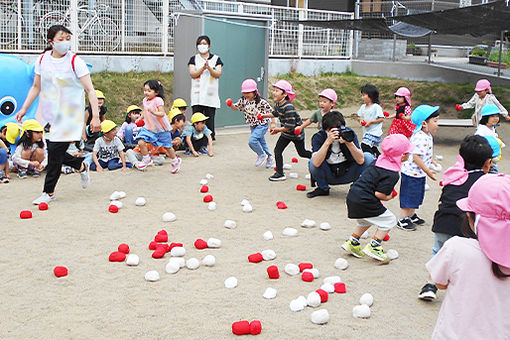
(476, 270)
(375, 185)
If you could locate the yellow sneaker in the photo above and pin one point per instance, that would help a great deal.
(375, 252)
(352, 249)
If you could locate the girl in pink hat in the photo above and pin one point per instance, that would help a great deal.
(290, 128)
(482, 96)
(475, 271)
(365, 197)
(402, 123)
(252, 105)
(327, 101)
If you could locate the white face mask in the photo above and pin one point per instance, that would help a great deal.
(203, 48)
(62, 47)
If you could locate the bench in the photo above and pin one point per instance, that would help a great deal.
(456, 123)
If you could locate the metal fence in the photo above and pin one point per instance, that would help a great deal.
(147, 26)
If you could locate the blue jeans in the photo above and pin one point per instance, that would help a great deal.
(439, 240)
(3, 156)
(257, 141)
(128, 135)
(324, 176)
(112, 164)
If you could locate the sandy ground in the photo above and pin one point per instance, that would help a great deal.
(101, 300)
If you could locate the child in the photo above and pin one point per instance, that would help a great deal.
(108, 149)
(402, 118)
(180, 104)
(482, 97)
(252, 105)
(9, 135)
(415, 170)
(487, 127)
(88, 136)
(177, 119)
(475, 270)
(473, 162)
(157, 127)
(4, 162)
(129, 129)
(364, 200)
(76, 150)
(289, 120)
(370, 116)
(327, 101)
(30, 157)
(198, 136)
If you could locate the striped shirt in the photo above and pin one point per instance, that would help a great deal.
(289, 119)
(154, 123)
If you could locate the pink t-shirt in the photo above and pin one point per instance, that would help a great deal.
(477, 303)
(154, 123)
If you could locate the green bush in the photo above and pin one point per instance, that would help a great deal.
(477, 51)
(505, 57)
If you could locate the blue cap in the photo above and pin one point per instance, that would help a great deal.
(494, 144)
(421, 114)
(490, 109)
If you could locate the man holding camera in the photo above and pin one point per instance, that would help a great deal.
(337, 157)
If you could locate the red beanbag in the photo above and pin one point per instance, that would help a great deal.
(161, 238)
(340, 287)
(458, 107)
(172, 245)
(294, 160)
(152, 245)
(394, 193)
(255, 327)
(307, 277)
(386, 238)
(123, 248)
(162, 232)
(24, 214)
(60, 271)
(323, 294)
(255, 258)
(281, 205)
(113, 209)
(43, 206)
(386, 114)
(117, 256)
(303, 266)
(300, 187)
(204, 188)
(241, 328)
(363, 123)
(273, 272)
(229, 102)
(200, 244)
(140, 123)
(208, 198)
(159, 253)
(163, 246)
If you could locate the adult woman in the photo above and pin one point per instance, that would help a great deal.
(205, 71)
(60, 78)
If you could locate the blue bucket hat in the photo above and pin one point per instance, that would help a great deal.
(490, 109)
(421, 114)
(494, 144)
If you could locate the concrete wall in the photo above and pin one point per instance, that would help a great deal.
(381, 49)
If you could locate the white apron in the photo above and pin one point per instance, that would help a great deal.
(62, 99)
(204, 89)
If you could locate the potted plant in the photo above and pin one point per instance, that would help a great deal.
(494, 59)
(478, 56)
(413, 49)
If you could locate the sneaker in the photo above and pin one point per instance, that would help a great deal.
(406, 224)
(260, 160)
(352, 249)
(35, 173)
(416, 220)
(187, 152)
(203, 150)
(375, 252)
(43, 198)
(3, 177)
(428, 292)
(158, 160)
(317, 192)
(22, 173)
(176, 164)
(85, 175)
(140, 166)
(277, 177)
(147, 160)
(269, 162)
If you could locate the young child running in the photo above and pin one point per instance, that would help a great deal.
(252, 104)
(129, 129)
(289, 120)
(327, 101)
(157, 127)
(473, 162)
(475, 271)
(402, 118)
(415, 170)
(108, 150)
(482, 97)
(371, 116)
(198, 137)
(30, 157)
(375, 185)
(487, 127)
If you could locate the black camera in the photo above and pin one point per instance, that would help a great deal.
(346, 134)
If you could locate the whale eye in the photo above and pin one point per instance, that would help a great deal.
(7, 105)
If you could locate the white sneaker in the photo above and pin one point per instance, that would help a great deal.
(43, 198)
(176, 164)
(140, 166)
(270, 161)
(85, 175)
(147, 160)
(260, 160)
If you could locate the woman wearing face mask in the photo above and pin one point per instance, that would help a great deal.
(61, 78)
(205, 71)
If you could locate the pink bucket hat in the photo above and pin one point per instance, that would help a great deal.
(456, 174)
(285, 86)
(393, 147)
(488, 198)
(404, 92)
(330, 94)
(483, 84)
(249, 85)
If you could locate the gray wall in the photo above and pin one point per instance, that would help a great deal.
(381, 49)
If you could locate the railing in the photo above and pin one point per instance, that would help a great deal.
(147, 26)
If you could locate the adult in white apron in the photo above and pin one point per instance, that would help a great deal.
(60, 80)
(205, 71)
